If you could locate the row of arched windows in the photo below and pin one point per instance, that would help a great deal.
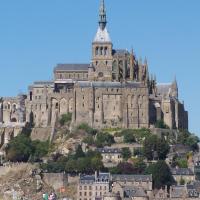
(101, 51)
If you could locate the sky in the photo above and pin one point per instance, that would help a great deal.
(36, 35)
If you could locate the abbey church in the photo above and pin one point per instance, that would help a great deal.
(114, 90)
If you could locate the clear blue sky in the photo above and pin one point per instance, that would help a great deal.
(35, 35)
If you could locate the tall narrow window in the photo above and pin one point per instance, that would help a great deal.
(96, 51)
(31, 96)
(101, 51)
(106, 51)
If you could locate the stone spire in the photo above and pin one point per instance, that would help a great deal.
(102, 34)
(175, 88)
(102, 16)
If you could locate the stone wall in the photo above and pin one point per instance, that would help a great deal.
(42, 134)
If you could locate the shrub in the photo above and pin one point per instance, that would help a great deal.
(65, 118)
(161, 124)
(89, 140)
(128, 136)
(19, 149)
(126, 153)
(87, 129)
(104, 139)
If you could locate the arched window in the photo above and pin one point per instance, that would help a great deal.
(106, 51)
(97, 51)
(56, 106)
(101, 51)
(14, 107)
(31, 96)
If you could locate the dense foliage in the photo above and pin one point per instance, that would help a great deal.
(80, 162)
(104, 139)
(23, 149)
(161, 124)
(161, 174)
(65, 118)
(126, 153)
(186, 138)
(129, 168)
(87, 129)
(155, 148)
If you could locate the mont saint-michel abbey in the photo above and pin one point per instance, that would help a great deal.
(114, 90)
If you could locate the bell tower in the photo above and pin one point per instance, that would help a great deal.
(101, 65)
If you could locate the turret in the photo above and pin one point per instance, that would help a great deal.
(132, 65)
(174, 88)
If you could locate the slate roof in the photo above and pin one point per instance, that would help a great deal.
(71, 67)
(163, 89)
(182, 171)
(177, 191)
(109, 150)
(90, 179)
(87, 179)
(136, 178)
(120, 52)
(133, 192)
(106, 84)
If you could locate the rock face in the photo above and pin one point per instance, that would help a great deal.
(22, 180)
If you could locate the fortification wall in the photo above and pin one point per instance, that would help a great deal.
(42, 134)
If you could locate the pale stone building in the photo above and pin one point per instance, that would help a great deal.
(114, 90)
(111, 157)
(185, 174)
(92, 187)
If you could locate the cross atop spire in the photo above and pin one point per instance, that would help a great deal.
(102, 16)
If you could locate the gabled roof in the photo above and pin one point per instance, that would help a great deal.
(120, 52)
(109, 150)
(182, 171)
(137, 178)
(71, 67)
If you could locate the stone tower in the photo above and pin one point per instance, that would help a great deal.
(101, 65)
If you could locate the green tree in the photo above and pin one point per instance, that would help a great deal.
(182, 163)
(161, 174)
(193, 141)
(129, 136)
(153, 144)
(96, 164)
(104, 139)
(161, 124)
(71, 166)
(140, 165)
(87, 129)
(41, 149)
(89, 140)
(84, 165)
(65, 118)
(126, 153)
(19, 149)
(79, 152)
